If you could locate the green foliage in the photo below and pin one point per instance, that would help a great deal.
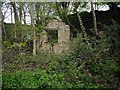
(8, 44)
(112, 33)
(52, 36)
(35, 79)
(92, 65)
(96, 63)
(84, 67)
(9, 28)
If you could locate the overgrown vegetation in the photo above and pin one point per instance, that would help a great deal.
(85, 67)
(92, 62)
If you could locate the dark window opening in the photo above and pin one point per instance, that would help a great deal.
(52, 36)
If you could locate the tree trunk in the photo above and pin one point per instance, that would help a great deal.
(11, 16)
(15, 12)
(33, 28)
(34, 43)
(0, 42)
(3, 27)
(15, 17)
(24, 20)
(94, 20)
(83, 30)
(20, 14)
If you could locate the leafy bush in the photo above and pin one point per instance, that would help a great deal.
(83, 68)
(95, 62)
(36, 79)
(112, 34)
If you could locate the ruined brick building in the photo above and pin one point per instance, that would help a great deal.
(63, 36)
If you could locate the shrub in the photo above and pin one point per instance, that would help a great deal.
(36, 79)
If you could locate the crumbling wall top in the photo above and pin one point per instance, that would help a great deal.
(55, 24)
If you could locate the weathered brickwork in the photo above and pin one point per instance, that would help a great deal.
(63, 38)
